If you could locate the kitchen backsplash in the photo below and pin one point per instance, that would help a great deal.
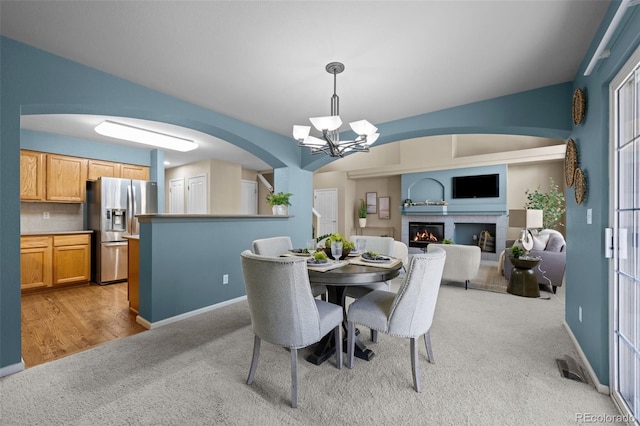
(62, 217)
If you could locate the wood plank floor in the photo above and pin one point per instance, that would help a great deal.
(61, 322)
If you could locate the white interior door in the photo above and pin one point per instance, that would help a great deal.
(197, 195)
(249, 197)
(176, 196)
(625, 150)
(325, 201)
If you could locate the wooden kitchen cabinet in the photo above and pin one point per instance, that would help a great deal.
(32, 176)
(131, 171)
(36, 256)
(133, 288)
(98, 168)
(71, 259)
(66, 178)
(49, 260)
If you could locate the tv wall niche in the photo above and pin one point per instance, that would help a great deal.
(435, 186)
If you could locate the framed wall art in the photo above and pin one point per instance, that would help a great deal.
(372, 202)
(383, 208)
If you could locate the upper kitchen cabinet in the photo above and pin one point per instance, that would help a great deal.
(66, 177)
(32, 176)
(99, 168)
(129, 171)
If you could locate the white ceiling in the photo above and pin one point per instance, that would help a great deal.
(263, 62)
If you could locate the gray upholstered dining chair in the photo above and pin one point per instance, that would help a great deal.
(275, 246)
(408, 313)
(284, 312)
(383, 245)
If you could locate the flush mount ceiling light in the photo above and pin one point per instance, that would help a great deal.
(147, 137)
(330, 143)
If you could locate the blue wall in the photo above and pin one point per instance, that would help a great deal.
(174, 282)
(587, 271)
(437, 186)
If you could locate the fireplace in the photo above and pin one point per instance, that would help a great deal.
(423, 233)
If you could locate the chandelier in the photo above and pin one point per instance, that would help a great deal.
(330, 143)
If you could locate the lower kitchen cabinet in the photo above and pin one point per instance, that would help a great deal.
(50, 260)
(71, 259)
(36, 256)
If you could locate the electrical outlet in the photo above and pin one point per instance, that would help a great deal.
(45, 215)
(580, 313)
(225, 279)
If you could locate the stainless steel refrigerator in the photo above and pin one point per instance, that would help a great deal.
(112, 205)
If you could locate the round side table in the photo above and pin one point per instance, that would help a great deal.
(523, 281)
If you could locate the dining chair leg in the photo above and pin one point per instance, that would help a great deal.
(374, 336)
(294, 377)
(414, 365)
(351, 342)
(254, 361)
(427, 343)
(338, 341)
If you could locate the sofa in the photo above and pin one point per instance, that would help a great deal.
(462, 262)
(550, 246)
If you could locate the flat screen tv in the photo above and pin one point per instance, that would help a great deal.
(477, 186)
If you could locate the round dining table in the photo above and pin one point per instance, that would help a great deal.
(337, 280)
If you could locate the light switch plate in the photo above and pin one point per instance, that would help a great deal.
(589, 217)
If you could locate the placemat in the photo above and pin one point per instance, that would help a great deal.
(322, 267)
(388, 265)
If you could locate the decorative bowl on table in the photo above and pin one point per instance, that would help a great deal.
(525, 263)
(345, 253)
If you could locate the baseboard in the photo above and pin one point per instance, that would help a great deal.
(12, 369)
(592, 374)
(151, 325)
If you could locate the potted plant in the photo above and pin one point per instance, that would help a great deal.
(552, 203)
(279, 203)
(362, 214)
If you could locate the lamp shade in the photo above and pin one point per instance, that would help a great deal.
(372, 138)
(363, 127)
(527, 218)
(312, 141)
(330, 122)
(300, 133)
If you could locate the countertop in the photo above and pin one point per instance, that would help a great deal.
(27, 234)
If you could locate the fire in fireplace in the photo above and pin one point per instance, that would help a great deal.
(423, 233)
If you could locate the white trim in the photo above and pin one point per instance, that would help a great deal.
(592, 374)
(151, 325)
(622, 75)
(12, 369)
(600, 52)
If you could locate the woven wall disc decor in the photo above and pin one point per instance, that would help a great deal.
(579, 106)
(580, 186)
(570, 162)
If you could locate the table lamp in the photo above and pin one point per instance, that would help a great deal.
(526, 219)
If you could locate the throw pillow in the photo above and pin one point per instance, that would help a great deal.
(540, 241)
(555, 244)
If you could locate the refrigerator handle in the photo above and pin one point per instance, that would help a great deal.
(134, 223)
(129, 210)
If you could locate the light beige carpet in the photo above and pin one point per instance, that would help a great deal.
(495, 364)
(489, 278)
